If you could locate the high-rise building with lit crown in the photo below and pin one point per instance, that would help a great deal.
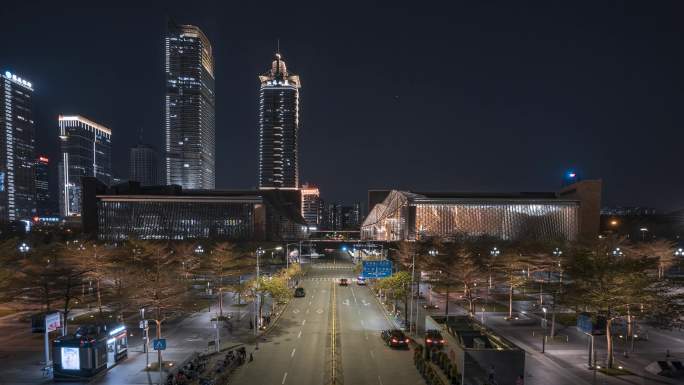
(189, 113)
(86, 151)
(17, 149)
(278, 127)
(43, 198)
(311, 205)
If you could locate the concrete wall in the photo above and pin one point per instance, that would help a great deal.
(588, 192)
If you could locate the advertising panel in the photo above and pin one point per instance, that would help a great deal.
(71, 359)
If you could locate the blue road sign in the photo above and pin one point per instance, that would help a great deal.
(377, 269)
(159, 344)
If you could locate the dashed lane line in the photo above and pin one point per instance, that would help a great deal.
(293, 352)
(284, 378)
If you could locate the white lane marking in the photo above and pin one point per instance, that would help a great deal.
(380, 380)
(285, 377)
(319, 311)
(354, 295)
(303, 322)
(307, 311)
(346, 302)
(309, 303)
(372, 354)
(362, 324)
(293, 352)
(300, 334)
(295, 311)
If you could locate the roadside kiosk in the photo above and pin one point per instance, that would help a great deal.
(90, 350)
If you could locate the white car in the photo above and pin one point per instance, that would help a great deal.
(361, 281)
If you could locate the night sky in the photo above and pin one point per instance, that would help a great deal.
(459, 95)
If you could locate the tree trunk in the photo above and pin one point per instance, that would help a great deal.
(609, 343)
(220, 294)
(99, 297)
(446, 304)
(541, 293)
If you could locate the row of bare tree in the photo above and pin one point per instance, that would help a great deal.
(121, 279)
(608, 276)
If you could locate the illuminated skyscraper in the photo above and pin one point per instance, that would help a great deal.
(311, 205)
(278, 127)
(43, 199)
(86, 149)
(17, 149)
(189, 108)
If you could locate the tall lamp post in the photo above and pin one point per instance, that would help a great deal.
(257, 316)
(287, 253)
(494, 252)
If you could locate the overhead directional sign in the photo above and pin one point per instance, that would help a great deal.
(377, 269)
(159, 343)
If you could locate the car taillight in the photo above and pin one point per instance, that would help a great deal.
(429, 340)
(407, 340)
(443, 341)
(394, 340)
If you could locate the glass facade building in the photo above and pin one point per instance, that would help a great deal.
(405, 215)
(279, 127)
(144, 165)
(86, 149)
(311, 205)
(17, 149)
(43, 196)
(127, 210)
(177, 217)
(189, 113)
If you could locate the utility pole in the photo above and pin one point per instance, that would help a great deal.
(256, 302)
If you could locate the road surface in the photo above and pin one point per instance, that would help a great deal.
(331, 336)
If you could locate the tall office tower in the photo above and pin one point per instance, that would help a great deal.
(86, 149)
(144, 165)
(278, 127)
(189, 108)
(43, 198)
(311, 205)
(334, 213)
(351, 217)
(17, 149)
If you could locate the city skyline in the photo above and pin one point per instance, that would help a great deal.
(550, 125)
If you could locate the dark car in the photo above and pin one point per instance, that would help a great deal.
(434, 338)
(344, 282)
(299, 292)
(430, 306)
(395, 338)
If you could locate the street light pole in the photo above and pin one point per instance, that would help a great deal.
(413, 274)
(256, 302)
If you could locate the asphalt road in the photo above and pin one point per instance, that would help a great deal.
(299, 350)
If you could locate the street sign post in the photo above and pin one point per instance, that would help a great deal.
(159, 343)
(53, 321)
(377, 269)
